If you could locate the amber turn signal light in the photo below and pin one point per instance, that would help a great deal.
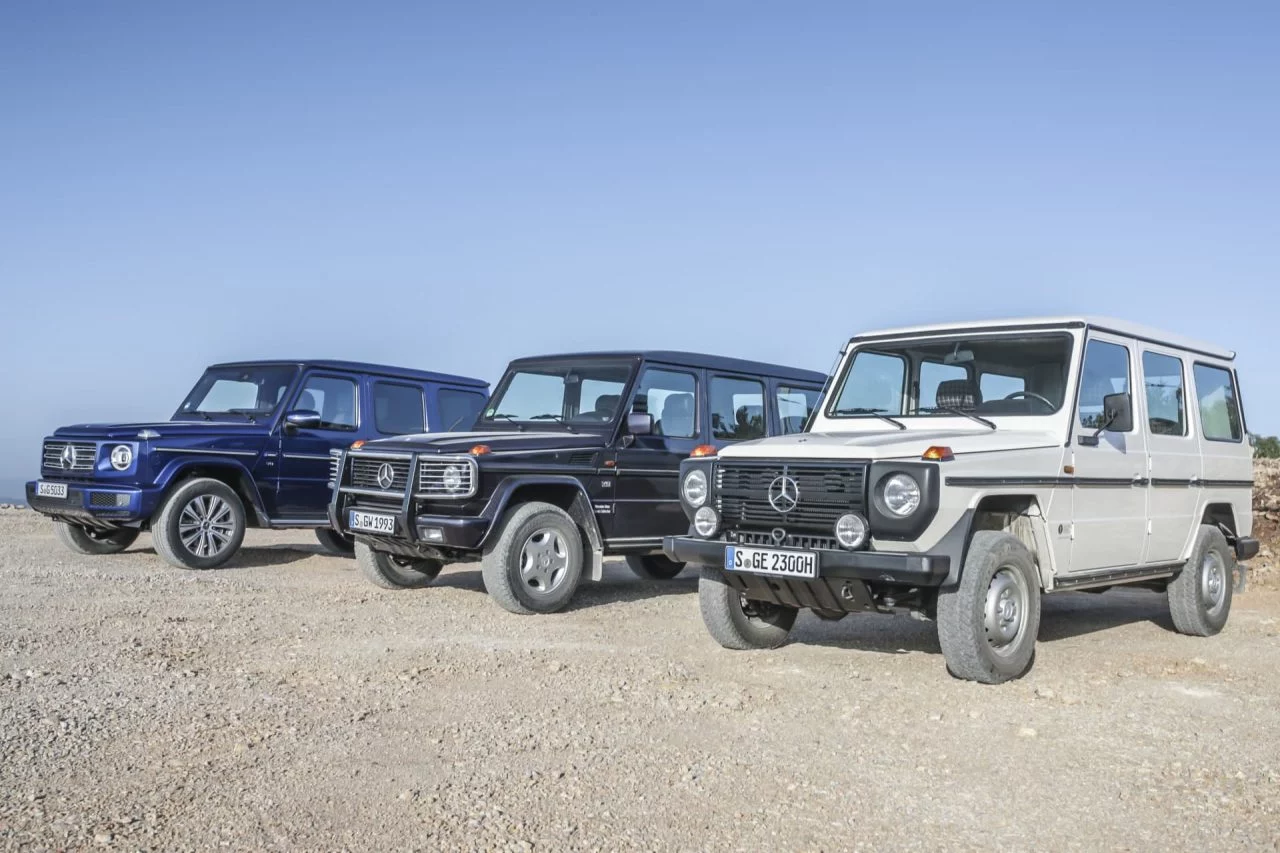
(356, 445)
(938, 453)
(480, 450)
(703, 450)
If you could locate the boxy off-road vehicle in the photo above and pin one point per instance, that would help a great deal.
(960, 472)
(249, 447)
(575, 458)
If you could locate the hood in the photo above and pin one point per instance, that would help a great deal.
(891, 443)
(507, 441)
(166, 429)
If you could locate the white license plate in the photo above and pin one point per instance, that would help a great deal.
(51, 490)
(372, 522)
(767, 561)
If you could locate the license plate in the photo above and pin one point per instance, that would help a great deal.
(51, 490)
(371, 522)
(766, 561)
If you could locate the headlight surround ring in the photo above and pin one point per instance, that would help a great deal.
(121, 457)
(901, 494)
(694, 487)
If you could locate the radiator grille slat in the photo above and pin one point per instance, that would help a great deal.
(370, 473)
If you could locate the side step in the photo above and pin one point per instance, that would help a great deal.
(1112, 577)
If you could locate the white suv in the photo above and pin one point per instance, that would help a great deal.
(960, 471)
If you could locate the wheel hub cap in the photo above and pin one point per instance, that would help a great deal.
(544, 561)
(1005, 608)
(1213, 581)
(206, 525)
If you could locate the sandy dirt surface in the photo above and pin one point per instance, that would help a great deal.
(283, 702)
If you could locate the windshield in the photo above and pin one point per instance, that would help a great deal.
(979, 376)
(249, 392)
(577, 393)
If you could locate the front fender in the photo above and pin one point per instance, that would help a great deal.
(182, 466)
(580, 509)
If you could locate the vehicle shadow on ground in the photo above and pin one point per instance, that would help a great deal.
(1062, 617)
(619, 586)
(257, 556)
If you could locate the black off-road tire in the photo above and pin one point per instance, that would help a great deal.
(501, 568)
(740, 625)
(1198, 605)
(975, 651)
(654, 567)
(168, 538)
(84, 540)
(391, 571)
(335, 543)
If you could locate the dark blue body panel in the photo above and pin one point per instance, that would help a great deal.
(280, 471)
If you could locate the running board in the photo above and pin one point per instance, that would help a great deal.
(1112, 577)
(283, 523)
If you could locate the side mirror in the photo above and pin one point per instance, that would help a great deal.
(1117, 416)
(302, 419)
(639, 423)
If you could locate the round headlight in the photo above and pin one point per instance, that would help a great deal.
(706, 522)
(901, 495)
(452, 478)
(851, 530)
(694, 487)
(121, 457)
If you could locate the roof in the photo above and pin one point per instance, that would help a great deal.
(696, 359)
(1105, 324)
(365, 367)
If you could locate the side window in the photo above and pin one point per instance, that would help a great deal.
(1106, 371)
(333, 398)
(933, 374)
(737, 409)
(672, 398)
(458, 409)
(794, 407)
(398, 409)
(1166, 409)
(997, 386)
(1219, 408)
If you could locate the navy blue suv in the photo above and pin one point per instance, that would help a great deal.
(254, 444)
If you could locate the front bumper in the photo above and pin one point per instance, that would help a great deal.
(869, 566)
(458, 533)
(97, 506)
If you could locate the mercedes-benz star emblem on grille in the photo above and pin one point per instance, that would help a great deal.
(778, 535)
(386, 475)
(784, 494)
(69, 456)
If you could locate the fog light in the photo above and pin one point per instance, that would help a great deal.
(706, 522)
(121, 457)
(851, 531)
(431, 534)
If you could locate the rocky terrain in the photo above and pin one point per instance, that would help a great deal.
(283, 702)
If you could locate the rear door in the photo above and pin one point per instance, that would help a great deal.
(304, 453)
(1173, 454)
(646, 499)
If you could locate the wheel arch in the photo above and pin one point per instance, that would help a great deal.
(1018, 514)
(565, 492)
(233, 474)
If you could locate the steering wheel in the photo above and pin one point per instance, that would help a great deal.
(1032, 395)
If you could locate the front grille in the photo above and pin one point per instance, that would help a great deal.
(806, 543)
(369, 472)
(84, 455)
(335, 467)
(431, 477)
(825, 491)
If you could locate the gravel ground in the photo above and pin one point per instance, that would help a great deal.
(284, 702)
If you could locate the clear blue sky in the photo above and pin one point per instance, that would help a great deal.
(451, 185)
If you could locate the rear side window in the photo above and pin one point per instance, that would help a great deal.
(1166, 405)
(333, 398)
(458, 409)
(670, 396)
(398, 409)
(794, 407)
(1106, 371)
(1219, 408)
(737, 409)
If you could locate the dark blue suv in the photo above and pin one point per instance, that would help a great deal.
(249, 447)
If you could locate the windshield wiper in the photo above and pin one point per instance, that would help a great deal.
(556, 418)
(970, 415)
(511, 418)
(879, 413)
(205, 415)
(247, 413)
